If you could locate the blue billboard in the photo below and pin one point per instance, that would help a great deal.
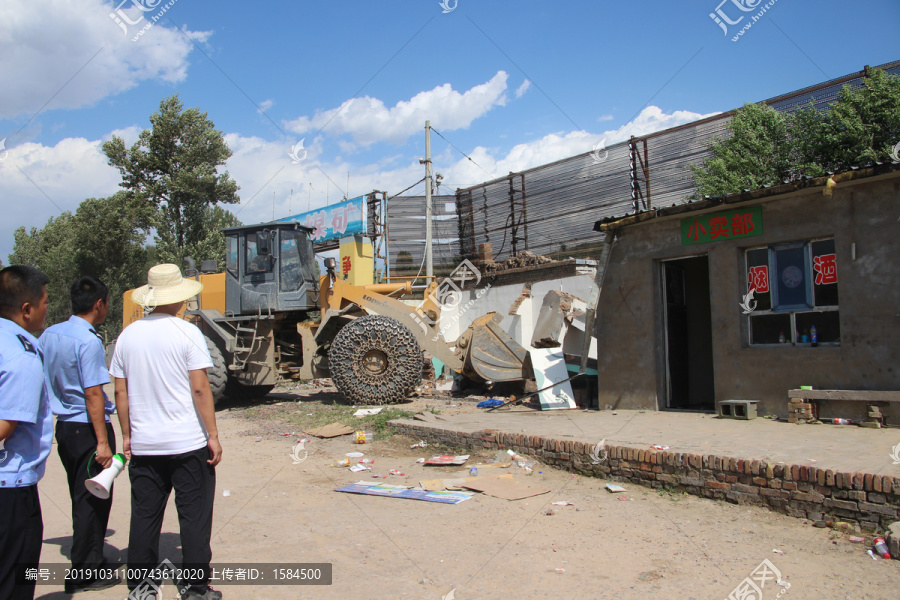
(335, 221)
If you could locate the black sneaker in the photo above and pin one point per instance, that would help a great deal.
(207, 594)
(92, 586)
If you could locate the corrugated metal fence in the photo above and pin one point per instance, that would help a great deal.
(551, 209)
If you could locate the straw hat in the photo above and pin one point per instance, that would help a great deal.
(165, 285)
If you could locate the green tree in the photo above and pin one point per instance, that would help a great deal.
(767, 147)
(756, 154)
(174, 166)
(52, 250)
(208, 247)
(104, 239)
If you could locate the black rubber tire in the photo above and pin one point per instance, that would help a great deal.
(399, 352)
(218, 375)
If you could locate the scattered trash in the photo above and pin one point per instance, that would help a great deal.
(287, 434)
(421, 444)
(396, 472)
(872, 554)
(259, 438)
(560, 570)
(881, 547)
(358, 468)
(226, 493)
(660, 447)
(856, 539)
(343, 462)
(330, 431)
(783, 583)
(304, 441)
(563, 503)
(448, 460)
(399, 491)
(777, 551)
(420, 460)
(550, 512)
(613, 488)
(364, 437)
(513, 455)
(491, 403)
(843, 527)
(354, 455)
(811, 459)
(473, 472)
(451, 595)
(623, 498)
(504, 488)
(367, 461)
(363, 412)
(295, 454)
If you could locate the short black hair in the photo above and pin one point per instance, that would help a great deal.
(20, 284)
(85, 292)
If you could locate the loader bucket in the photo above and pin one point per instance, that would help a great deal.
(490, 353)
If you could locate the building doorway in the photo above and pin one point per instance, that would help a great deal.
(689, 376)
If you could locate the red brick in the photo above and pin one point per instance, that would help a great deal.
(760, 481)
(731, 478)
(829, 477)
(646, 466)
(740, 466)
(656, 469)
(789, 485)
(876, 483)
(795, 472)
(859, 481)
(775, 483)
(654, 459)
(718, 485)
(867, 481)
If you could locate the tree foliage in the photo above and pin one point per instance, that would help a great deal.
(104, 238)
(767, 147)
(174, 166)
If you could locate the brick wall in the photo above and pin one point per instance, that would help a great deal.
(802, 491)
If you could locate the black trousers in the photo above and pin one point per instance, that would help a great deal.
(194, 481)
(76, 444)
(21, 536)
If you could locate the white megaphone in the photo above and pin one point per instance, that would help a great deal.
(102, 483)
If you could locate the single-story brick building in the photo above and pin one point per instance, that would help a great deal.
(674, 324)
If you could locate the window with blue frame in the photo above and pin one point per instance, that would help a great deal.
(795, 293)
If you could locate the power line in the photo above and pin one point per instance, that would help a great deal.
(491, 175)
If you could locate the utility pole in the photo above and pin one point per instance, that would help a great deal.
(429, 262)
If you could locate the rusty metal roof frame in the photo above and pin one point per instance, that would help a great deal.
(855, 174)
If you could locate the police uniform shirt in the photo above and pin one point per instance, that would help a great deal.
(23, 398)
(74, 360)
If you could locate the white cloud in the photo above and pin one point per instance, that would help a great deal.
(76, 168)
(265, 105)
(602, 118)
(520, 91)
(46, 43)
(368, 120)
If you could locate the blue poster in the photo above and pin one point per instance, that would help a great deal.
(335, 221)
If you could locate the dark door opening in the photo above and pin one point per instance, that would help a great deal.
(688, 329)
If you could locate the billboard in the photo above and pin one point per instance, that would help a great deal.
(335, 221)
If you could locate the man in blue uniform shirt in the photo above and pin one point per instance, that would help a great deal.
(26, 425)
(74, 361)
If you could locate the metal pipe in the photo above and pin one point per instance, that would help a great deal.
(389, 288)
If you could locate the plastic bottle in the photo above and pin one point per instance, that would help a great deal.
(839, 421)
(343, 462)
(473, 472)
(781, 338)
(881, 547)
(813, 338)
(367, 461)
(364, 437)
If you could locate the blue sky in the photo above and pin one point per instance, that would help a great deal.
(512, 84)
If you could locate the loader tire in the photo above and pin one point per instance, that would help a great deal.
(375, 360)
(218, 375)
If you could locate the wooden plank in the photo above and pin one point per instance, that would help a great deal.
(848, 395)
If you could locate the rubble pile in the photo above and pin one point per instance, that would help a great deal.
(519, 261)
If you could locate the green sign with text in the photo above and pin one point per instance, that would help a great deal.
(716, 227)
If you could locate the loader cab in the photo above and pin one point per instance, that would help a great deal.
(269, 267)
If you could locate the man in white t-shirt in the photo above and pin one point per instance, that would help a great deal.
(166, 412)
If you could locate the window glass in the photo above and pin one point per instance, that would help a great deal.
(791, 278)
(758, 277)
(231, 254)
(824, 273)
(771, 328)
(291, 272)
(789, 281)
(256, 263)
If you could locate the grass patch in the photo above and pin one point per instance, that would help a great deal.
(313, 414)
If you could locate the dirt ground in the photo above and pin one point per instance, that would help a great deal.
(639, 544)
